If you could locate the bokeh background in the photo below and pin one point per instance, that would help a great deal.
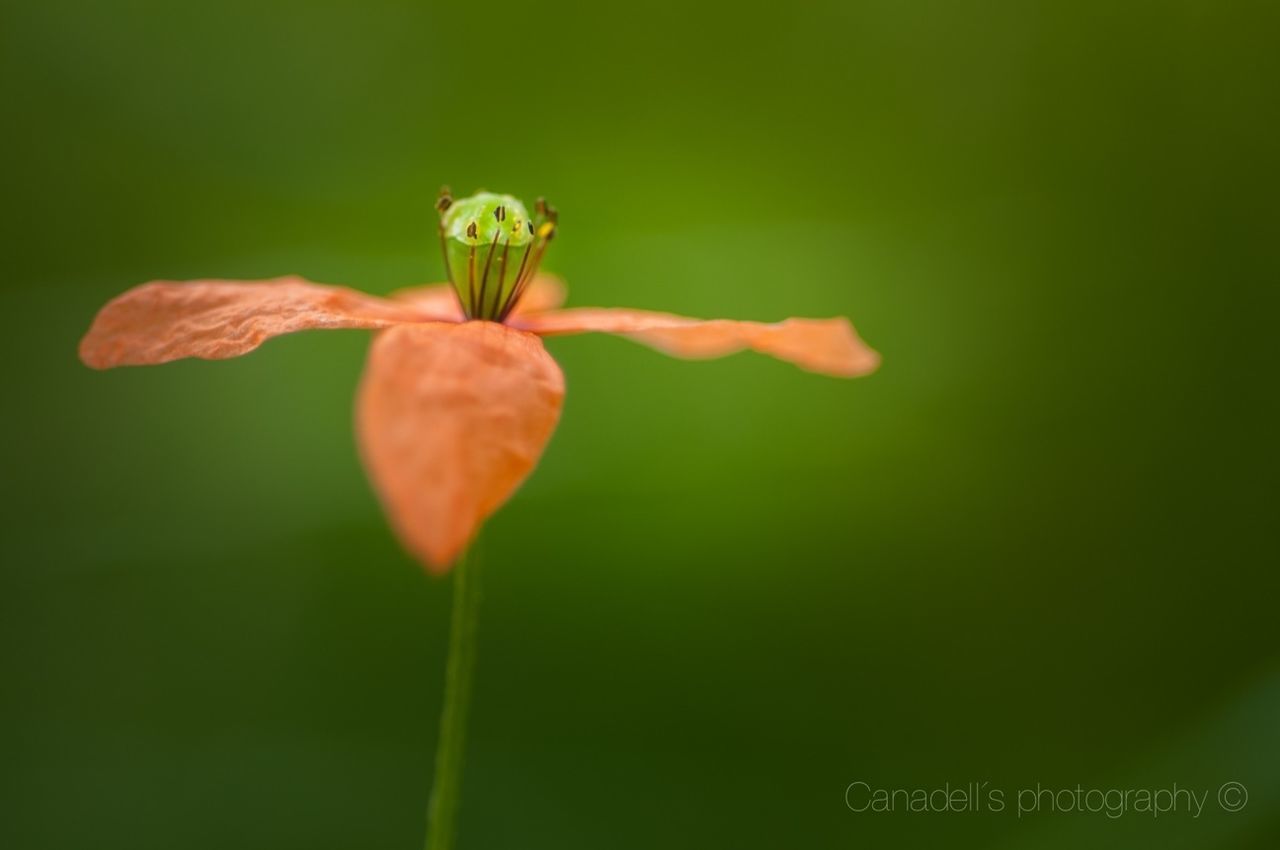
(1037, 549)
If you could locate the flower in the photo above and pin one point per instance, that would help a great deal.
(459, 397)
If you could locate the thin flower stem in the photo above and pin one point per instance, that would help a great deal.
(446, 788)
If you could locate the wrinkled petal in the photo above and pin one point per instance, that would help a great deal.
(216, 319)
(545, 292)
(451, 419)
(828, 346)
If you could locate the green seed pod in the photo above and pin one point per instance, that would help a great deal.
(492, 249)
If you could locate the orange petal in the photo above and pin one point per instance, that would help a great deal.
(215, 319)
(545, 292)
(437, 298)
(829, 346)
(451, 419)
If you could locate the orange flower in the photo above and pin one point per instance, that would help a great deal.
(452, 413)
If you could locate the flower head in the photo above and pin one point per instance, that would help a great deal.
(459, 397)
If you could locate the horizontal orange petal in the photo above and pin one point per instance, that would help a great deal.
(216, 319)
(437, 298)
(451, 419)
(545, 292)
(829, 346)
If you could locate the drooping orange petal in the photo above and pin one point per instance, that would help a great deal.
(216, 319)
(451, 418)
(828, 346)
(545, 292)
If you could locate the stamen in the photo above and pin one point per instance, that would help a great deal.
(545, 232)
(502, 271)
(444, 251)
(510, 301)
(516, 295)
(443, 201)
(523, 284)
(488, 261)
(471, 275)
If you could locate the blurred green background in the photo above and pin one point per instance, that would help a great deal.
(1038, 548)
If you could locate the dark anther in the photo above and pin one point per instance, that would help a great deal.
(471, 230)
(541, 206)
(531, 228)
(500, 213)
(444, 201)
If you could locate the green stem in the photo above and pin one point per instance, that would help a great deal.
(445, 791)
